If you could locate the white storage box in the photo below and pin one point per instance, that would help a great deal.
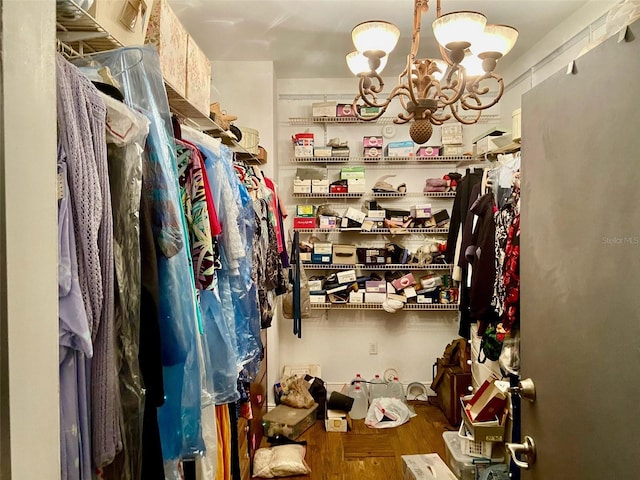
(463, 466)
(324, 109)
(312, 369)
(425, 467)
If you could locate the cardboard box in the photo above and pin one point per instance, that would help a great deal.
(421, 210)
(377, 215)
(424, 298)
(315, 285)
(489, 431)
(337, 421)
(400, 149)
(347, 173)
(324, 109)
(305, 210)
(346, 276)
(372, 297)
(375, 141)
(287, 421)
(305, 257)
(345, 254)
(487, 403)
(356, 185)
(369, 111)
(338, 189)
(428, 152)
(452, 150)
(372, 152)
(322, 151)
(311, 173)
(441, 217)
(375, 286)
(316, 297)
(198, 82)
(356, 297)
(320, 258)
(328, 222)
(300, 151)
(425, 467)
(403, 282)
(167, 34)
(304, 222)
(371, 256)
(345, 110)
(451, 134)
(304, 139)
(452, 140)
(341, 152)
(126, 21)
(323, 248)
(410, 292)
(355, 215)
(320, 186)
(301, 186)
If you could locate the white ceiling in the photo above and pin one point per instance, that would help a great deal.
(309, 38)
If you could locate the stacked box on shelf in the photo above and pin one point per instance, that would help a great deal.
(452, 140)
(372, 146)
(198, 82)
(170, 38)
(303, 144)
(322, 253)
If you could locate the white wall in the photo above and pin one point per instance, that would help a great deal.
(30, 229)
(338, 340)
(553, 53)
(246, 89)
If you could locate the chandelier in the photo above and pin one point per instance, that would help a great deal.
(432, 91)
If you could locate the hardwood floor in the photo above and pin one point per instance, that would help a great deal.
(378, 457)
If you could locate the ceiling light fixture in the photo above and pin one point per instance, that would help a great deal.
(431, 91)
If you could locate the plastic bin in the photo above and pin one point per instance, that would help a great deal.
(472, 447)
(462, 465)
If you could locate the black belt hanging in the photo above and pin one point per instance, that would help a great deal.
(297, 313)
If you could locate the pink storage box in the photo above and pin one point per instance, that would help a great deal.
(375, 141)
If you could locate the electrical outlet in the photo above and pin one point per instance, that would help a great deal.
(373, 348)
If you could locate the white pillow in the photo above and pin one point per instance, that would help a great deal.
(280, 461)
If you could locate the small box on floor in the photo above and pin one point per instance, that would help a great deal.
(287, 421)
(337, 421)
(425, 467)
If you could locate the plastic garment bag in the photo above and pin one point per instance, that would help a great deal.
(126, 136)
(137, 69)
(237, 292)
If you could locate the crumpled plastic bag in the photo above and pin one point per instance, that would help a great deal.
(387, 413)
(295, 393)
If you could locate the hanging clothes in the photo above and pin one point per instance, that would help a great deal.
(138, 70)
(150, 351)
(126, 135)
(196, 211)
(82, 131)
(75, 345)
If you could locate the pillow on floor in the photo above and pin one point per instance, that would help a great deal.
(280, 461)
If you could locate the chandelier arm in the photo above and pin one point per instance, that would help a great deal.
(456, 85)
(474, 89)
(454, 112)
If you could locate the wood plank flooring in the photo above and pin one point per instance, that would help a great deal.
(337, 456)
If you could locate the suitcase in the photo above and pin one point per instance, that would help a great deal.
(454, 383)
